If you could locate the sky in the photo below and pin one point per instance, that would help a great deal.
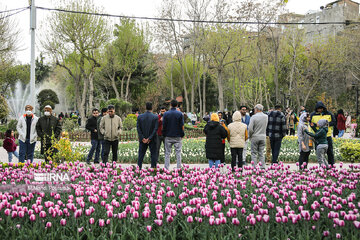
(143, 8)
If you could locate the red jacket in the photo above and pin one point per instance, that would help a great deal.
(9, 144)
(341, 122)
(160, 127)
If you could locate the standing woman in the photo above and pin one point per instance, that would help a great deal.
(341, 120)
(305, 141)
(215, 133)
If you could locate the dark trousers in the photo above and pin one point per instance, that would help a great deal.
(275, 149)
(26, 151)
(153, 151)
(304, 158)
(95, 147)
(330, 151)
(114, 146)
(102, 154)
(236, 154)
(291, 131)
(159, 140)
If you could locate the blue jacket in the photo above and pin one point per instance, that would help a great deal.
(147, 125)
(247, 120)
(173, 123)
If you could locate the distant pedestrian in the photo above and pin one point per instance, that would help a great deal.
(348, 121)
(305, 141)
(245, 118)
(215, 133)
(321, 143)
(160, 136)
(290, 121)
(61, 116)
(238, 136)
(104, 112)
(110, 127)
(223, 124)
(91, 126)
(276, 130)
(257, 135)
(26, 128)
(48, 128)
(206, 117)
(173, 131)
(341, 120)
(9, 145)
(321, 112)
(147, 125)
(193, 118)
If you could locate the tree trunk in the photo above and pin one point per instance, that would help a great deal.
(200, 101)
(171, 80)
(185, 90)
(204, 92)
(122, 87)
(91, 91)
(221, 89)
(113, 84)
(233, 90)
(127, 87)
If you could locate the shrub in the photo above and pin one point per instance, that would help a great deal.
(12, 125)
(65, 152)
(350, 151)
(70, 125)
(130, 122)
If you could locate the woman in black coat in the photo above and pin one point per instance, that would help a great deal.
(215, 133)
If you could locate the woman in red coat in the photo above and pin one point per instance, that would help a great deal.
(341, 119)
(10, 145)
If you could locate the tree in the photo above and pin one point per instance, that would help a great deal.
(130, 46)
(73, 41)
(42, 70)
(47, 97)
(4, 108)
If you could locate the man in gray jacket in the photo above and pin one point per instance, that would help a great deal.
(110, 127)
(257, 135)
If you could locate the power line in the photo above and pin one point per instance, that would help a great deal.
(15, 9)
(23, 9)
(347, 22)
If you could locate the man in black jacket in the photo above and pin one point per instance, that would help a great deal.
(104, 112)
(321, 112)
(147, 125)
(91, 126)
(46, 127)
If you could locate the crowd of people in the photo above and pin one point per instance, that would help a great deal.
(262, 129)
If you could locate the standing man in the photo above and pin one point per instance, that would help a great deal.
(104, 112)
(276, 130)
(46, 127)
(91, 126)
(110, 127)
(173, 131)
(147, 126)
(257, 135)
(322, 113)
(245, 118)
(223, 142)
(160, 137)
(26, 127)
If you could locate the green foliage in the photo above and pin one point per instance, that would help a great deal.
(47, 97)
(130, 122)
(12, 124)
(70, 125)
(10, 75)
(42, 70)
(4, 108)
(350, 151)
(121, 106)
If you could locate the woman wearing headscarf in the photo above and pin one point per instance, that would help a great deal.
(215, 133)
(305, 141)
(341, 120)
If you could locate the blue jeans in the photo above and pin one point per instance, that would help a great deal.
(341, 133)
(95, 147)
(212, 162)
(26, 149)
(10, 155)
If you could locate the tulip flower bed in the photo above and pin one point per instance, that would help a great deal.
(112, 202)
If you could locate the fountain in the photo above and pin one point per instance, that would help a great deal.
(18, 99)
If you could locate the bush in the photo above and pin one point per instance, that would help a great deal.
(130, 122)
(121, 106)
(12, 125)
(350, 151)
(70, 125)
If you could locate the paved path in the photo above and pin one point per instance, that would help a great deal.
(4, 158)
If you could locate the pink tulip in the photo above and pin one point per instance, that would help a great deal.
(63, 222)
(32, 217)
(326, 233)
(91, 220)
(48, 224)
(101, 222)
(148, 228)
(266, 218)
(252, 221)
(235, 221)
(357, 224)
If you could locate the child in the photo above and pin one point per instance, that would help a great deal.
(321, 143)
(10, 145)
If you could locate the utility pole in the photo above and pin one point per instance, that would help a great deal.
(32, 58)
